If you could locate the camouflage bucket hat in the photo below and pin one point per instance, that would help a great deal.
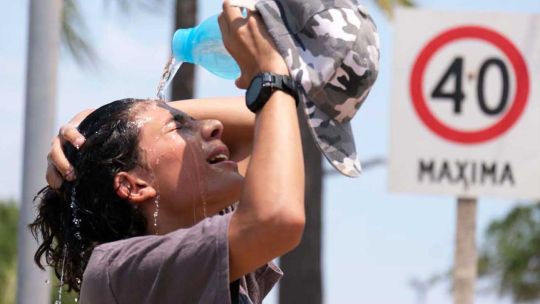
(332, 50)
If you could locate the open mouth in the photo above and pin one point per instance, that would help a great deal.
(218, 155)
(218, 158)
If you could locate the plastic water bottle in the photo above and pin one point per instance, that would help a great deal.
(203, 45)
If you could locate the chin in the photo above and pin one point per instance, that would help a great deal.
(226, 191)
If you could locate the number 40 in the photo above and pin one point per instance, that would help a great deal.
(457, 96)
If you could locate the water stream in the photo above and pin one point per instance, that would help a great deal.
(169, 71)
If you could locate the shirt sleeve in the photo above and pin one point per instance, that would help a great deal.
(257, 285)
(184, 266)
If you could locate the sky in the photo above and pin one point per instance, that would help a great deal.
(375, 242)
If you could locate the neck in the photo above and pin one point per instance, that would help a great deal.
(167, 221)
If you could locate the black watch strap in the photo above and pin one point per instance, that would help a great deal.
(286, 84)
(262, 87)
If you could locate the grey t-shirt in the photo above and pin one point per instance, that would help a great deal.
(185, 266)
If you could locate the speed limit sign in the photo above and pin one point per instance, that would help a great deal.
(465, 107)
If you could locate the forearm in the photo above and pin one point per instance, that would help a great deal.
(270, 216)
(275, 177)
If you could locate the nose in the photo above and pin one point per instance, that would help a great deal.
(212, 129)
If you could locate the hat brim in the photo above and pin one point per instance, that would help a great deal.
(335, 140)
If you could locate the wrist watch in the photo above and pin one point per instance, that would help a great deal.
(262, 87)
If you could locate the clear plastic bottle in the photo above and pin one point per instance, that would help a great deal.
(203, 45)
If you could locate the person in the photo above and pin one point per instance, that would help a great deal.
(136, 210)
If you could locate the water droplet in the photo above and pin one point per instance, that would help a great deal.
(47, 282)
(77, 222)
(76, 300)
(78, 280)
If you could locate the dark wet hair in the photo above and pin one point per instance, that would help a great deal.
(87, 212)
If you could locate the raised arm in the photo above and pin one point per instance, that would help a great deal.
(270, 217)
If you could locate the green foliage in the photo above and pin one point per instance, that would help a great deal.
(67, 297)
(387, 6)
(74, 28)
(511, 253)
(8, 251)
(9, 214)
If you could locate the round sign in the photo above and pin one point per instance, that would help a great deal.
(512, 112)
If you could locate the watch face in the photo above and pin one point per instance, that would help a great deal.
(254, 90)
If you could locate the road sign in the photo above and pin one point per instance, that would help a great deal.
(466, 104)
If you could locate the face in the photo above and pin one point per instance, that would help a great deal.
(186, 162)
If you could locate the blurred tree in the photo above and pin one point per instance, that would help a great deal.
(74, 27)
(387, 6)
(511, 254)
(9, 214)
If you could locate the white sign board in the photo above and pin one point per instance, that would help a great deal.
(465, 115)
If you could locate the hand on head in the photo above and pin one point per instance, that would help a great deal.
(249, 43)
(59, 167)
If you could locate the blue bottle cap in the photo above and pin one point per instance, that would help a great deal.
(180, 45)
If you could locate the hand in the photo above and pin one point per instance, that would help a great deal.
(249, 43)
(59, 167)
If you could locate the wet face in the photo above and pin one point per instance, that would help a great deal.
(186, 162)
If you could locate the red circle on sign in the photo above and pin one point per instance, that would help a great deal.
(518, 104)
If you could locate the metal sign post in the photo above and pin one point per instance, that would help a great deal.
(465, 251)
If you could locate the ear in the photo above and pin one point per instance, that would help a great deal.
(133, 189)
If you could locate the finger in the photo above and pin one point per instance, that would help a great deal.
(252, 13)
(231, 13)
(237, 82)
(58, 159)
(223, 25)
(241, 83)
(70, 134)
(53, 177)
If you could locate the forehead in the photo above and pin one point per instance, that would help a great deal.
(156, 112)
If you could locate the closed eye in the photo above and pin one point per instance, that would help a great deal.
(180, 118)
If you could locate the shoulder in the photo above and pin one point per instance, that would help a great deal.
(209, 228)
(195, 258)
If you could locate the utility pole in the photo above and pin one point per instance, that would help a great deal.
(41, 71)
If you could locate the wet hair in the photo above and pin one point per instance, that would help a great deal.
(82, 214)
